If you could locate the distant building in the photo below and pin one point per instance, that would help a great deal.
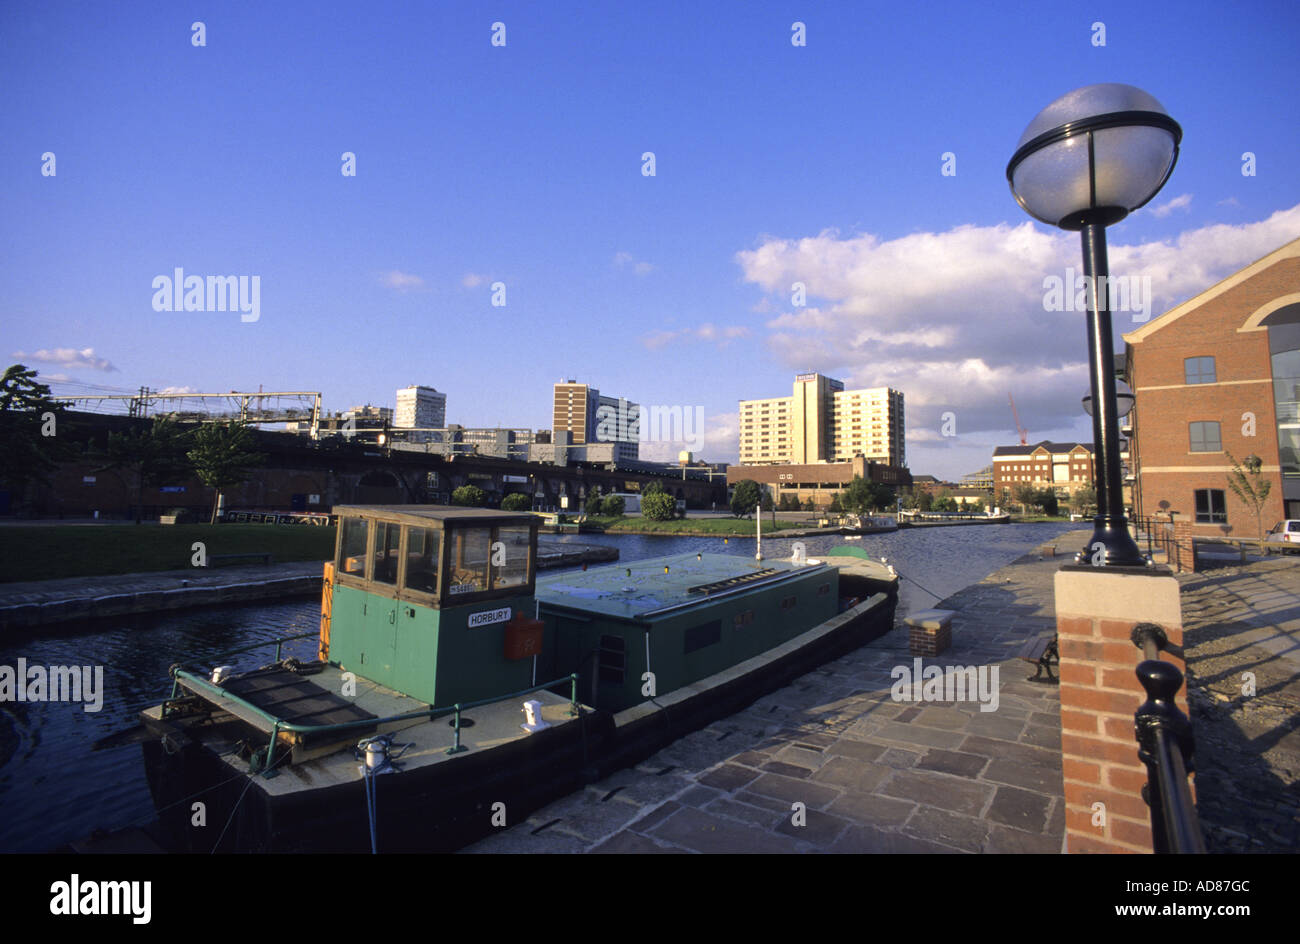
(1219, 375)
(420, 408)
(823, 422)
(819, 481)
(591, 418)
(981, 479)
(1065, 467)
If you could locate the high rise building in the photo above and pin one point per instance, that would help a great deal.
(823, 422)
(420, 408)
(591, 418)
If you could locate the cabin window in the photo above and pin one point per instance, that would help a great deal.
(388, 534)
(697, 637)
(422, 547)
(789, 603)
(470, 548)
(823, 590)
(613, 659)
(743, 618)
(352, 549)
(510, 557)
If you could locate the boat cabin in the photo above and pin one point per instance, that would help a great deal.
(434, 601)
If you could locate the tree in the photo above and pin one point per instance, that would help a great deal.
(1247, 482)
(156, 455)
(654, 488)
(516, 501)
(882, 496)
(765, 500)
(28, 431)
(945, 503)
(470, 496)
(1025, 496)
(744, 497)
(222, 456)
(658, 506)
(612, 506)
(925, 501)
(1083, 499)
(835, 507)
(1046, 499)
(592, 506)
(858, 496)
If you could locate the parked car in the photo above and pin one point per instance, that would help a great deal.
(1285, 532)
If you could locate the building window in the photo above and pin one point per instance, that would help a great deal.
(1205, 437)
(1200, 370)
(1210, 508)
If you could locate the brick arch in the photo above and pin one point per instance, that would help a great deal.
(1257, 318)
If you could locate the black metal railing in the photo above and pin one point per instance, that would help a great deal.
(1165, 745)
(1159, 533)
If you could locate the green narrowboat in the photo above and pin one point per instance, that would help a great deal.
(437, 633)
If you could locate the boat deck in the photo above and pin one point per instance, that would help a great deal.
(326, 760)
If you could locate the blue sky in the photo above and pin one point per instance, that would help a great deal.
(522, 164)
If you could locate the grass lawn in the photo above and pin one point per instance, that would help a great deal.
(50, 551)
(706, 526)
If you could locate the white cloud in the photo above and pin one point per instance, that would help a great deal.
(177, 391)
(708, 331)
(1181, 202)
(402, 281)
(472, 280)
(957, 321)
(69, 357)
(623, 259)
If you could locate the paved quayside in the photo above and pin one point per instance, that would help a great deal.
(1236, 620)
(874, 774)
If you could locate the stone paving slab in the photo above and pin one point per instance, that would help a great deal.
(832, 763)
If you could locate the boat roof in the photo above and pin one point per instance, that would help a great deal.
(437, 513)
(642, 589)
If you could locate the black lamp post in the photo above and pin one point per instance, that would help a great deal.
(1086, 161)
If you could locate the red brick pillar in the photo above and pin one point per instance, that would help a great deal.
(1096, 610)
(1186, 552)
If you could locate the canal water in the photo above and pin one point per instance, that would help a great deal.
(56, 788)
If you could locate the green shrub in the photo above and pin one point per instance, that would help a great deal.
(470, 496)
(612, 506)
(658, 506)
(516, 501)
(593, 505)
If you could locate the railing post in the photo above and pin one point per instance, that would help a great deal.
(457, 748)
(1164, 736)
(573, 695)
(270, 750)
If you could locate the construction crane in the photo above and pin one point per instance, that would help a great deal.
(1024, 433)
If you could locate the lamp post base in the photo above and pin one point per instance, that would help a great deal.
(1111, 545)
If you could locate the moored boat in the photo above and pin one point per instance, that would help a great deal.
(484, 691)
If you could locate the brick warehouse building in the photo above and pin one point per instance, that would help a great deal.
(1220, 374)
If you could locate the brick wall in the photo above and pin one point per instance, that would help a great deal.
(1096, 611)
(1240, 399)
